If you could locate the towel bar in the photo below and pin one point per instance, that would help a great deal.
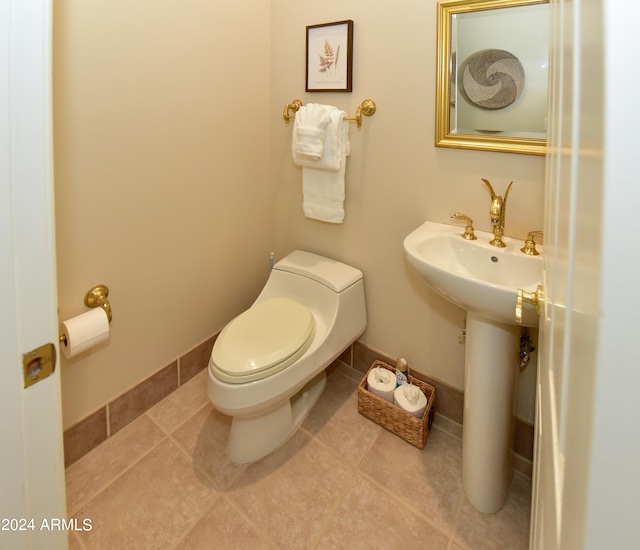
(366, 108)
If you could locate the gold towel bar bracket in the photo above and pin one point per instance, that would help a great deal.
(366, 108)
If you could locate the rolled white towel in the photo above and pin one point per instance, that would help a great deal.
(410, 398)
(309, 131)
(382, 383)
(336, 144)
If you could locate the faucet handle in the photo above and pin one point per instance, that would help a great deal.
(468, 230)
(530, 245)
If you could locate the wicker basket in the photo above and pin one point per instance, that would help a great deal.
(393, 418)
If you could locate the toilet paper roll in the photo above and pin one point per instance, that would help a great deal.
(410, 398)
(84, 331)
(381, 382)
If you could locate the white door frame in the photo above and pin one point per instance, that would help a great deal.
(31, 460)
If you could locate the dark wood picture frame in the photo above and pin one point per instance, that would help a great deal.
(329, 57)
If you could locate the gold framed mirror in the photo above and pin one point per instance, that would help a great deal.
(492, 75)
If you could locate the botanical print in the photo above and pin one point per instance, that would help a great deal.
(326, 56)
(329, 60)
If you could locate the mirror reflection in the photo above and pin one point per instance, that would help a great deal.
(493, 75)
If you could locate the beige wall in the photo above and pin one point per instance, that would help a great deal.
(168, 118)
(396, 178)
(161, 136)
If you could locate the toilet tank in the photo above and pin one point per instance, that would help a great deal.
(331, 273)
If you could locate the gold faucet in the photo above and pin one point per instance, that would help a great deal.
(497, 212)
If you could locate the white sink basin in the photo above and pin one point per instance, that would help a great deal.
(474, 275)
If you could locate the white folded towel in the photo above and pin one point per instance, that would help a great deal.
(323, 194)
(309, 131)
(323, 180)
(335, 140)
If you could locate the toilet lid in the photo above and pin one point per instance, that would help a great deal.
(264, 339)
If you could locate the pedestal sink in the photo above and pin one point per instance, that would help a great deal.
(483, 280)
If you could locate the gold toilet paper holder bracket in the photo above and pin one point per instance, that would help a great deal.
(97, 297)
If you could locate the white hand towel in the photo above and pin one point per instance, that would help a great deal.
(309, 131)
(323, 195)
(323, 190)
(335, 140)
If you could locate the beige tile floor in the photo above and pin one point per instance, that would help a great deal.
(341, 481)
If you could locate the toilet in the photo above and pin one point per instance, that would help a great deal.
(267, 366)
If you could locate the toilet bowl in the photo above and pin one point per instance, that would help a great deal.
(267, 366)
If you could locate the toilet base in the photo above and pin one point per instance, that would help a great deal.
(254, 437)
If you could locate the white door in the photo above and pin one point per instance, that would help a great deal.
(31, 459)
(569, 319)
(587, 450)
(555, 318)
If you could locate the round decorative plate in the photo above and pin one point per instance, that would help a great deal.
(493, 79)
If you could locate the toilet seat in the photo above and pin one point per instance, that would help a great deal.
(263, 340)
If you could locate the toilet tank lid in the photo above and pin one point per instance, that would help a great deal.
(331, 273)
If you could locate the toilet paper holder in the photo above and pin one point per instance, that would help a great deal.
(96, 296)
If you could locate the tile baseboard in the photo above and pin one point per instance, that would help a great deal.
(98, 426)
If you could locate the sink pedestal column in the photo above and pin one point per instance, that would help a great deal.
(491, 372)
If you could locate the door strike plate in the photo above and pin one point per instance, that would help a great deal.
(38, 364)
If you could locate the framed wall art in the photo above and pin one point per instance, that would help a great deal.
(329, 57)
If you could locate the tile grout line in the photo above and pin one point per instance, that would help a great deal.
(166, 430)
(373, 442)
(358, 471)
(181, 449)
(334, 510)
(116, 477)
(107, 411)
(182, 536)
(157, 424)
(335, 452)
(166, 436)
(456, 520)
(238, 509)
(206, 475)
(80, 541)
(406, 504)
(186, 454)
